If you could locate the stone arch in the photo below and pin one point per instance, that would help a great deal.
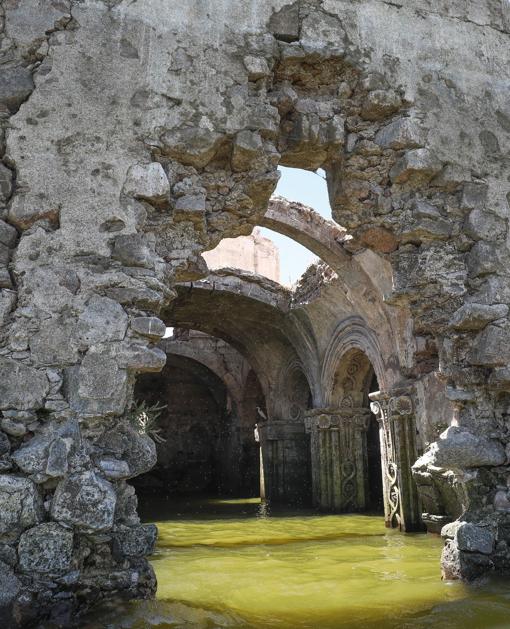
(356, 347)
(295, 393)
(322, 237)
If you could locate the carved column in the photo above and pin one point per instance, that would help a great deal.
(395, 414)
(338, 444)
(285, 462)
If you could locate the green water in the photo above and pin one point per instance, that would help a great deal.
(230, 564)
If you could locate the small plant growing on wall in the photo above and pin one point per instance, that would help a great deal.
(145, 419)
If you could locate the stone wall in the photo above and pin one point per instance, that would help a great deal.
(137, 135)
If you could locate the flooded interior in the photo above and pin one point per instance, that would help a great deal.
(232, 563)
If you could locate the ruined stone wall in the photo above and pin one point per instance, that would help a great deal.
(139, 135)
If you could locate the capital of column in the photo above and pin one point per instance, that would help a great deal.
(331, 418)
(391, 405)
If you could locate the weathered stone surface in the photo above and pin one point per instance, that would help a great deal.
(20, 504)
(5, 183)
(46, 454)
(84, 501)
(54, 344)
(8, 234)
(21, 387)
(458, 449)
(46, 548)
(485, 225)
(491, 347)
(133, 250)
(97, 386)
(141, 358)
(7, 301)
(135, 541)
(148, 182)
(9, 590)
(127, 444)
(477, 316)
(102, 320)
(113, 469)
(469, 537)
(417, 163)
(16, 85)
(379, 104)
(403, 133)
(152, 327)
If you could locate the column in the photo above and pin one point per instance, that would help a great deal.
(338, 445)
(285, 462)
(395, 414)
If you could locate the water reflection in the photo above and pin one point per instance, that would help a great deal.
(230, 563)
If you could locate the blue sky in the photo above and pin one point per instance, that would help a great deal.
(308, 188)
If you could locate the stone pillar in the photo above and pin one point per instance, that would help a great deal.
(285, 462)
(338, 443)
(395, 414)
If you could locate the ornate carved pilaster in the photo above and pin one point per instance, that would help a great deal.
(395, 414)
(339, 457)
(284, 461)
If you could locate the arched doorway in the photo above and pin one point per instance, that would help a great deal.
(345, 441)
(203, 443)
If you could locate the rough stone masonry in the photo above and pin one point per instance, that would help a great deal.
(134, 136)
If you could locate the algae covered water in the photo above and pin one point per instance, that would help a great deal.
(229, 563)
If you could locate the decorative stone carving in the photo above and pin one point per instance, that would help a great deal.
(339, 459)
(395, 414)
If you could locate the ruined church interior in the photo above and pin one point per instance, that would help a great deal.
(254, 314)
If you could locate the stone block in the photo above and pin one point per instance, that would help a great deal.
(135, 541)
(190, 207)
(151, 327)
(20, 504)
(53, 343)
(97, 387)
(24, 212)
(485, 225)
(5, 183)
(133, 250)
(458, 449)
(125, 443)
(418, 164)
(247, 145)
(193, 146)
(102, 320)
(16, 85)
(46, 548)
(141, 358)
(5, 444)
(491, 347)
(483, 259)
(148, 182)
(477, 316)
(379, 104)
(403, 133)
(284, 24)
(469, 537)
(10, 587)
(113, 469)
(46, 454)
(7, 302)
(256, 67)
(21, 387)
(13, 427)
(85, 501)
